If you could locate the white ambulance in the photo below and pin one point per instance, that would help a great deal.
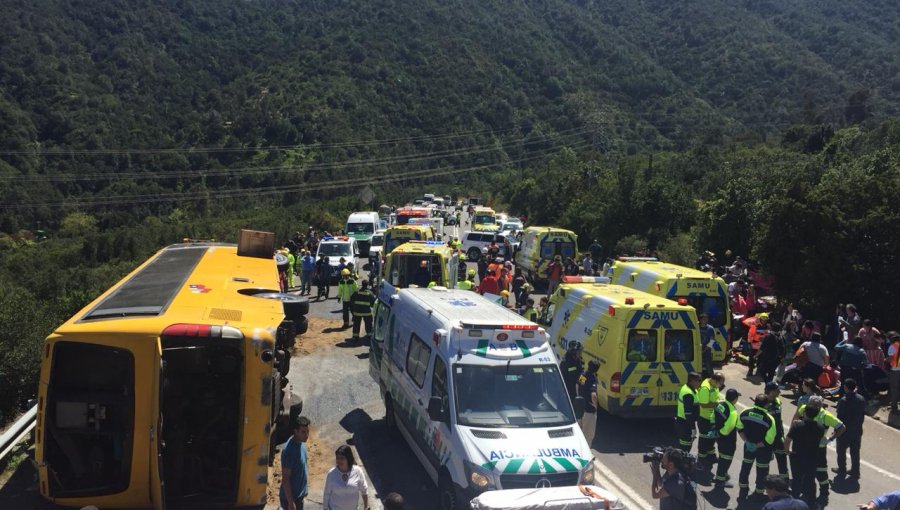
(475, 390)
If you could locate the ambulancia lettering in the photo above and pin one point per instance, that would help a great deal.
(512, 346)
(541, 452)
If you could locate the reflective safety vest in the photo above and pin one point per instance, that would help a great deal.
(689, 412)
(466, 285)
(706, 394)
(361, 303)
(725, 418)
(758, 425)
(530, 314)
(774, 408)
(346, 288)
(825, 419)
(895, 358)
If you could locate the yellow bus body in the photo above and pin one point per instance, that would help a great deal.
(706, 293)
(98, 436)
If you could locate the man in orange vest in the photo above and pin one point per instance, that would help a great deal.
(894, 377)
(757, 332)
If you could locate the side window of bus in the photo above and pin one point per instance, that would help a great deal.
(417, 360)
(439, 381)
(679, 345)
(641, 345)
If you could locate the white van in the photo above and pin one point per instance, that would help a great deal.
(476, 391)
(362, 226)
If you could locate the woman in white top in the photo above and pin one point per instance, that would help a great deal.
(345, 483)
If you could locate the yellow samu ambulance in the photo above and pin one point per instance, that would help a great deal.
(538, 248)
(646, 345)
(484, 219)
(441, 263)
(706, 293)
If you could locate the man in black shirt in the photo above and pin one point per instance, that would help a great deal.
(571, 367)
(587, 389)
(851, 409)
(802, 443)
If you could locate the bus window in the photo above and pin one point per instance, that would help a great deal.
(641, 345)
(679, 345)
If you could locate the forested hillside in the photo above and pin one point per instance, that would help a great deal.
(767, 127)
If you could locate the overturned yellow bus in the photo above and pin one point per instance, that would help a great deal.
(166, 391)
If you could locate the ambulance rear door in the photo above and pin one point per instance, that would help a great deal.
(640, 380)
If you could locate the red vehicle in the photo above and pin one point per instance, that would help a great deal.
(405, 213)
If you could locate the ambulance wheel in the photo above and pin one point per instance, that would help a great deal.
(390, 419)
(450, 498)
(474, 254)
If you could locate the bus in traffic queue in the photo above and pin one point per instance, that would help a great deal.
(705, 292)
(399, 234)
(403, 214)
(538, 248)
(401, 265)
(484, 219)
(166, 390)
(646, 345)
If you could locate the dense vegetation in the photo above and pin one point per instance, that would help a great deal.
(759, 126)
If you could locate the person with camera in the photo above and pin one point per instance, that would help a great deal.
(587, 389)
(673, 487)
(687, 412)
(757, 428)
(725, 424)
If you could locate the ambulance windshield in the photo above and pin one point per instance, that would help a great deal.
(509, 395)
(713, 306)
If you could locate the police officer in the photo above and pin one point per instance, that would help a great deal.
(469, 283)
(757, 428)
(707, 400)
(851, 410)
(587, 389)
(726, 419)
(774, 408)
(802, 442)
(362, 302)
(826, 419)
(346, 288)
(687, 412)
(571, 367)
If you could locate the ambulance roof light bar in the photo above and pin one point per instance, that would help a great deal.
(638, 259)
(585, 279)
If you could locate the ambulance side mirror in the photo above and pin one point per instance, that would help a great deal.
(436, 409)
(578, 404)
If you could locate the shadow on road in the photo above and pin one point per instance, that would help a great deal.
(389, 462)
(632, 435)
(20, 492)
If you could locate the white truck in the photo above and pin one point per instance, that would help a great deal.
(476, 392)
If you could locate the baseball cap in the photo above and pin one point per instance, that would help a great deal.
(771, 386)
(732, 394)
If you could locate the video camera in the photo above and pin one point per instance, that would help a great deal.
(656, 454)
(683, 459)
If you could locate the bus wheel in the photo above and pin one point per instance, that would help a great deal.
(449, 497)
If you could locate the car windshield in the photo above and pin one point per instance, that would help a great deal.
(360, 228)
(714, 306)
(510, 395)
(484, 219)
(377, 240)
(335, 249)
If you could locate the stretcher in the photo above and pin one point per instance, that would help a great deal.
(582, 497)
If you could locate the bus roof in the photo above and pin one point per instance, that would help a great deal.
(606, 294)
(661, 270)
(195, 283)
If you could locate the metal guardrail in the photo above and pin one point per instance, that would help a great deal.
(17, 432)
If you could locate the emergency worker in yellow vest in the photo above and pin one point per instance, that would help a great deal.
(346, 287)
(826, 419)
(757, 428)
(774, 409)
(362, 302)
(708, 399)
(687, 412)
(530, 313)
(468, 283)
(725, 420)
